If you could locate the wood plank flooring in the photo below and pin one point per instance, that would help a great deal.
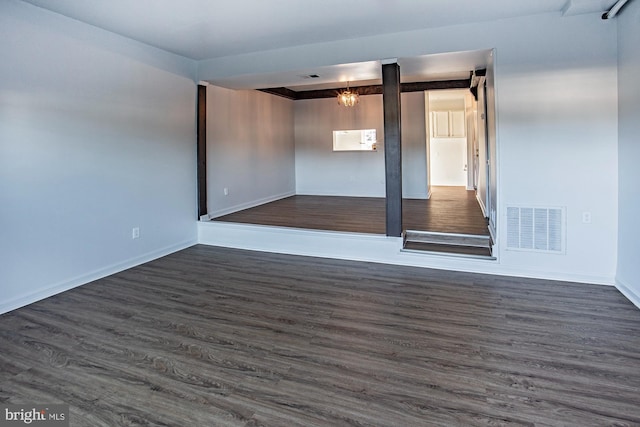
(219, 337)
(449, 210)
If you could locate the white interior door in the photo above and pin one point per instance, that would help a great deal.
(449, 161)
(441, 127)
(447, 142)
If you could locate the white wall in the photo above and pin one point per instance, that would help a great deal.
(557, 136)
(414, 145)
(320, 171)
(250, 149)
(481, 121)
(472, 132)
(494, 153)
(555, 92)
(96, 137)
(628, 274)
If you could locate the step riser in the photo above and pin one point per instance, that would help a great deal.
(452, 250)
(445, 254)
(448, 239)
(484, 243)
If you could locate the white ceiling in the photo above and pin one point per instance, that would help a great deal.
(448, 66)
(206, 29)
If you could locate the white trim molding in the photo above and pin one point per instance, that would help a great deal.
(251, 204)
(482, 207)
(66, 285)
(627, 290)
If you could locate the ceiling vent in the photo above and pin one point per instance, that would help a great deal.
(536, 229)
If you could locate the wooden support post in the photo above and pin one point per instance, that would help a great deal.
(202, 150)
(392, 151)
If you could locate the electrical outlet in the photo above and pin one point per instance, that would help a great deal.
(135, 233)
(586, 217)
(226, 191)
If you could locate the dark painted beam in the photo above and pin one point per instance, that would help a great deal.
(476, 77)
(281, 91)
(368, 90)
(392, 152)
(436, 85)
(333, 93)
(202, 150)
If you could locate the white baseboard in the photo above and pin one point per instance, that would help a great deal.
(248, 205)
(420, 196)
(339, 194)
(627, 290)
(362, 247)
(83, 279)
(482, 207)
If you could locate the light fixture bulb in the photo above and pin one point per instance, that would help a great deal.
(348, 98)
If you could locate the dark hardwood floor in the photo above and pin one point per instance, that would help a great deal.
(450, 210)
(214, 337)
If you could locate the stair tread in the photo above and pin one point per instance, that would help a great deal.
(444, 248)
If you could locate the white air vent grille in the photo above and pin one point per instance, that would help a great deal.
(535, 229)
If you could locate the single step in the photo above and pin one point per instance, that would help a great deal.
(453, 239)
(439, 249)
(448, 244)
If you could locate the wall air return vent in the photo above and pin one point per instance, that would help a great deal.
(536, 229)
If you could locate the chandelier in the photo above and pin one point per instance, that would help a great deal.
(348, 98)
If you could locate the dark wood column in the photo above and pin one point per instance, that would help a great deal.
(202, 150)
(392, 153)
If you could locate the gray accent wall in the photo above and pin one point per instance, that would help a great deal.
(321, 171)
(96, 138)
(414, 145)
(250, 149)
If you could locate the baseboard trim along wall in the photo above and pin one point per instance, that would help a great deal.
(626, 290)
(314, 192)
(362, 247)
(482, 207)
(248, 205)
(57, 288)
(421, 196)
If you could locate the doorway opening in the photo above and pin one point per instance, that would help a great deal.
(449, 137)
(455, 170)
